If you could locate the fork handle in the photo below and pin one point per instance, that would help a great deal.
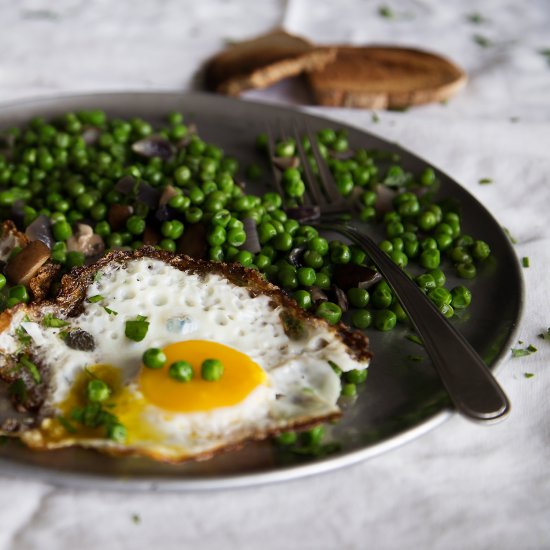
(468, 381)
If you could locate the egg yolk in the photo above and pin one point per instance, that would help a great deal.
(241, 375)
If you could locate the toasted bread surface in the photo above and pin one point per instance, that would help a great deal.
(262, 61)
(378, 77)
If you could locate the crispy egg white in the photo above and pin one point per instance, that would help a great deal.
(273, 380)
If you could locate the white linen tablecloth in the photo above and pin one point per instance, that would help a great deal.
(462, 485)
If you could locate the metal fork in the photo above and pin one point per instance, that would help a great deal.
(468, 381)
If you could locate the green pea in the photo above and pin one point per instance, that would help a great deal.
(283, 241)
(236, 237)
(427, 177)
(74, 259)
(367, 214)
(286, 439)
(368, 198)
(361, 318)
(84, 202)
(349, 390)
(193, 214)
(440, 296)
(427, 221)
(154, 358)
(61, 230)
(358, 297)
(19, 292)
(331, 312)
(322, 280)
(313, 437)
(272, 201)
(340, 253)
(438, 276)
(385, 320)
(481, 250)
(135, 225)
(262, 261)
(245, 258)
(356, 376)
(2, 281)
(182, 371)
(103, 229)
(425, 282)
(400, 313)
(174, 229)
(399, 258)
(386, 246)
(466, 270)
(303, 298)
(288, 278)
(291, 226)
(97, 391)
(430, 259)
(344, 183)
(306, 276)
(381, 296)
(168, 244)
(212, 370)
(461, 297)
(394, 229)
(444, 241)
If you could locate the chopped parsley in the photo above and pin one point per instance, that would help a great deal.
(137, 330)
(415, 358)
(509, 235)
(386, 11)
(25, 362)
(485, 181)
(482, 41)
(95, 299)
(53, 322)
(476, 18)
(66, 424)
(374, 117)
(545, 335)
(136, 519)
(546, 53)
(528, 374)
(522, 352)
(525, 261)
(110, 311)
(414, 338)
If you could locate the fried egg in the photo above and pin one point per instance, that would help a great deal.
(277, 358)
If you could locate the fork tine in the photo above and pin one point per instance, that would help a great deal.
(324, 173)
(271, 150)
(310, 181)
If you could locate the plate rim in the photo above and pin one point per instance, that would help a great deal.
(12, 468)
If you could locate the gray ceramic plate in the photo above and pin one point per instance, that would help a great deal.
(401, 400)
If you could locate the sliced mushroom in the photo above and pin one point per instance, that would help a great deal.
(318, 296)
(21, 268)
(167, 193)
(252, 242)
(282, 163)
(86, 241)
(341, 298)
(151, 236)
(118, 215)
(154, 146)
(193, 241)
(348, 276)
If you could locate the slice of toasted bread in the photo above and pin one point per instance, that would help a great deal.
(262, 61)
(378, 77)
